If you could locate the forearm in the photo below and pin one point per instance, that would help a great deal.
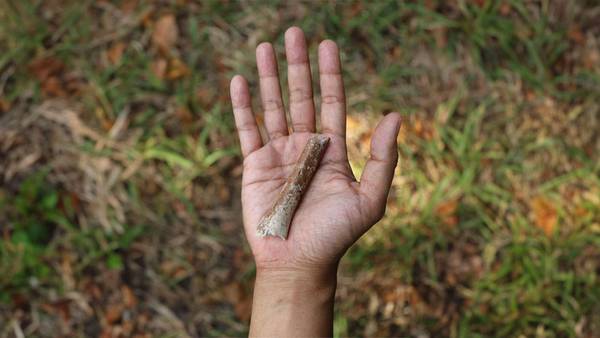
(293, 303)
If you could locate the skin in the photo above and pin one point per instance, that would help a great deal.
(296, 278)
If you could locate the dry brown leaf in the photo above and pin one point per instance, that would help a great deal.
(106, 333)
(53, 87)
(240, 259)
(177, 69)
(43, 68)
(184, 115)
(128, 6)
(165, 34)
(60, 307)
(115, 52)
(204, 95)
(48, 71)
(545, 214)
(446, 211)
(575, 34)
(505, 8)
(242, 304)
(591, 59)
(243, 309)
(129, 298)
(114, 312)
(173, 269)
(423, 129)
(4, 105)
(440, 35)
(159, 68)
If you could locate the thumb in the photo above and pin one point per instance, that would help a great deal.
(378, 173)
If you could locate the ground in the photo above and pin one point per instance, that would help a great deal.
(120, 169)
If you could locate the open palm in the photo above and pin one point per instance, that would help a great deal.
(336, 209)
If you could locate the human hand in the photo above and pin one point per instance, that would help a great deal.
(336, 209)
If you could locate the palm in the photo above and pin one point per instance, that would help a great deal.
(336, 209)
(330, 207)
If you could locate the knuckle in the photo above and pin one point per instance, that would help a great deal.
(332, 99)
(245, 127)
(302, 127)
(275, 134)
(272, 104)
(299, 95)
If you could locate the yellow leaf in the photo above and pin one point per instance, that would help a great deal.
(545, 214)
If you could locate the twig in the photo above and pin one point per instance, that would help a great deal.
(276, 221)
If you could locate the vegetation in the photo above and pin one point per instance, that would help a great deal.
(120, 169)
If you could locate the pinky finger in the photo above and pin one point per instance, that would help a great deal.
(245, 122)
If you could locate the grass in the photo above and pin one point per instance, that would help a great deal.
(119, 209)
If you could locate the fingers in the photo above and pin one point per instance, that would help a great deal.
(379, 170)
(244, 118)
(333, 100)
(302, 109)
(270, 91)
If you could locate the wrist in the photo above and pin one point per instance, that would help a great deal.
(293, 301)
(298, 281)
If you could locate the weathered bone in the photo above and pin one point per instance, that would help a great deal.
(276, 222)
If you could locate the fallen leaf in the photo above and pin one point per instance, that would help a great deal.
(53, 87)
(114, 312)
(165, 34)
(177, 69)
(446, 211)
(129, 298)
(575, 34)
(105, 333)
(19, 301)
(545, 214)
(45, 67)
(128, 6)
(48, 71)
(422, 129)
(440, 35)
(173, 269)
(115, 52)
(352, 123)
(204, 95)
(228, 227)
(240, 259)
(505, 8)
(159, 68)
(591, 58)
(4, 105)
(242, 304)
(184, 115)
(60, 307)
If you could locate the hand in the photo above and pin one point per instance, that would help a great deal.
(295, 281)
(336, 209)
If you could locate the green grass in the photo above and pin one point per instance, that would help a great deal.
(511, 279)
(500, 106)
